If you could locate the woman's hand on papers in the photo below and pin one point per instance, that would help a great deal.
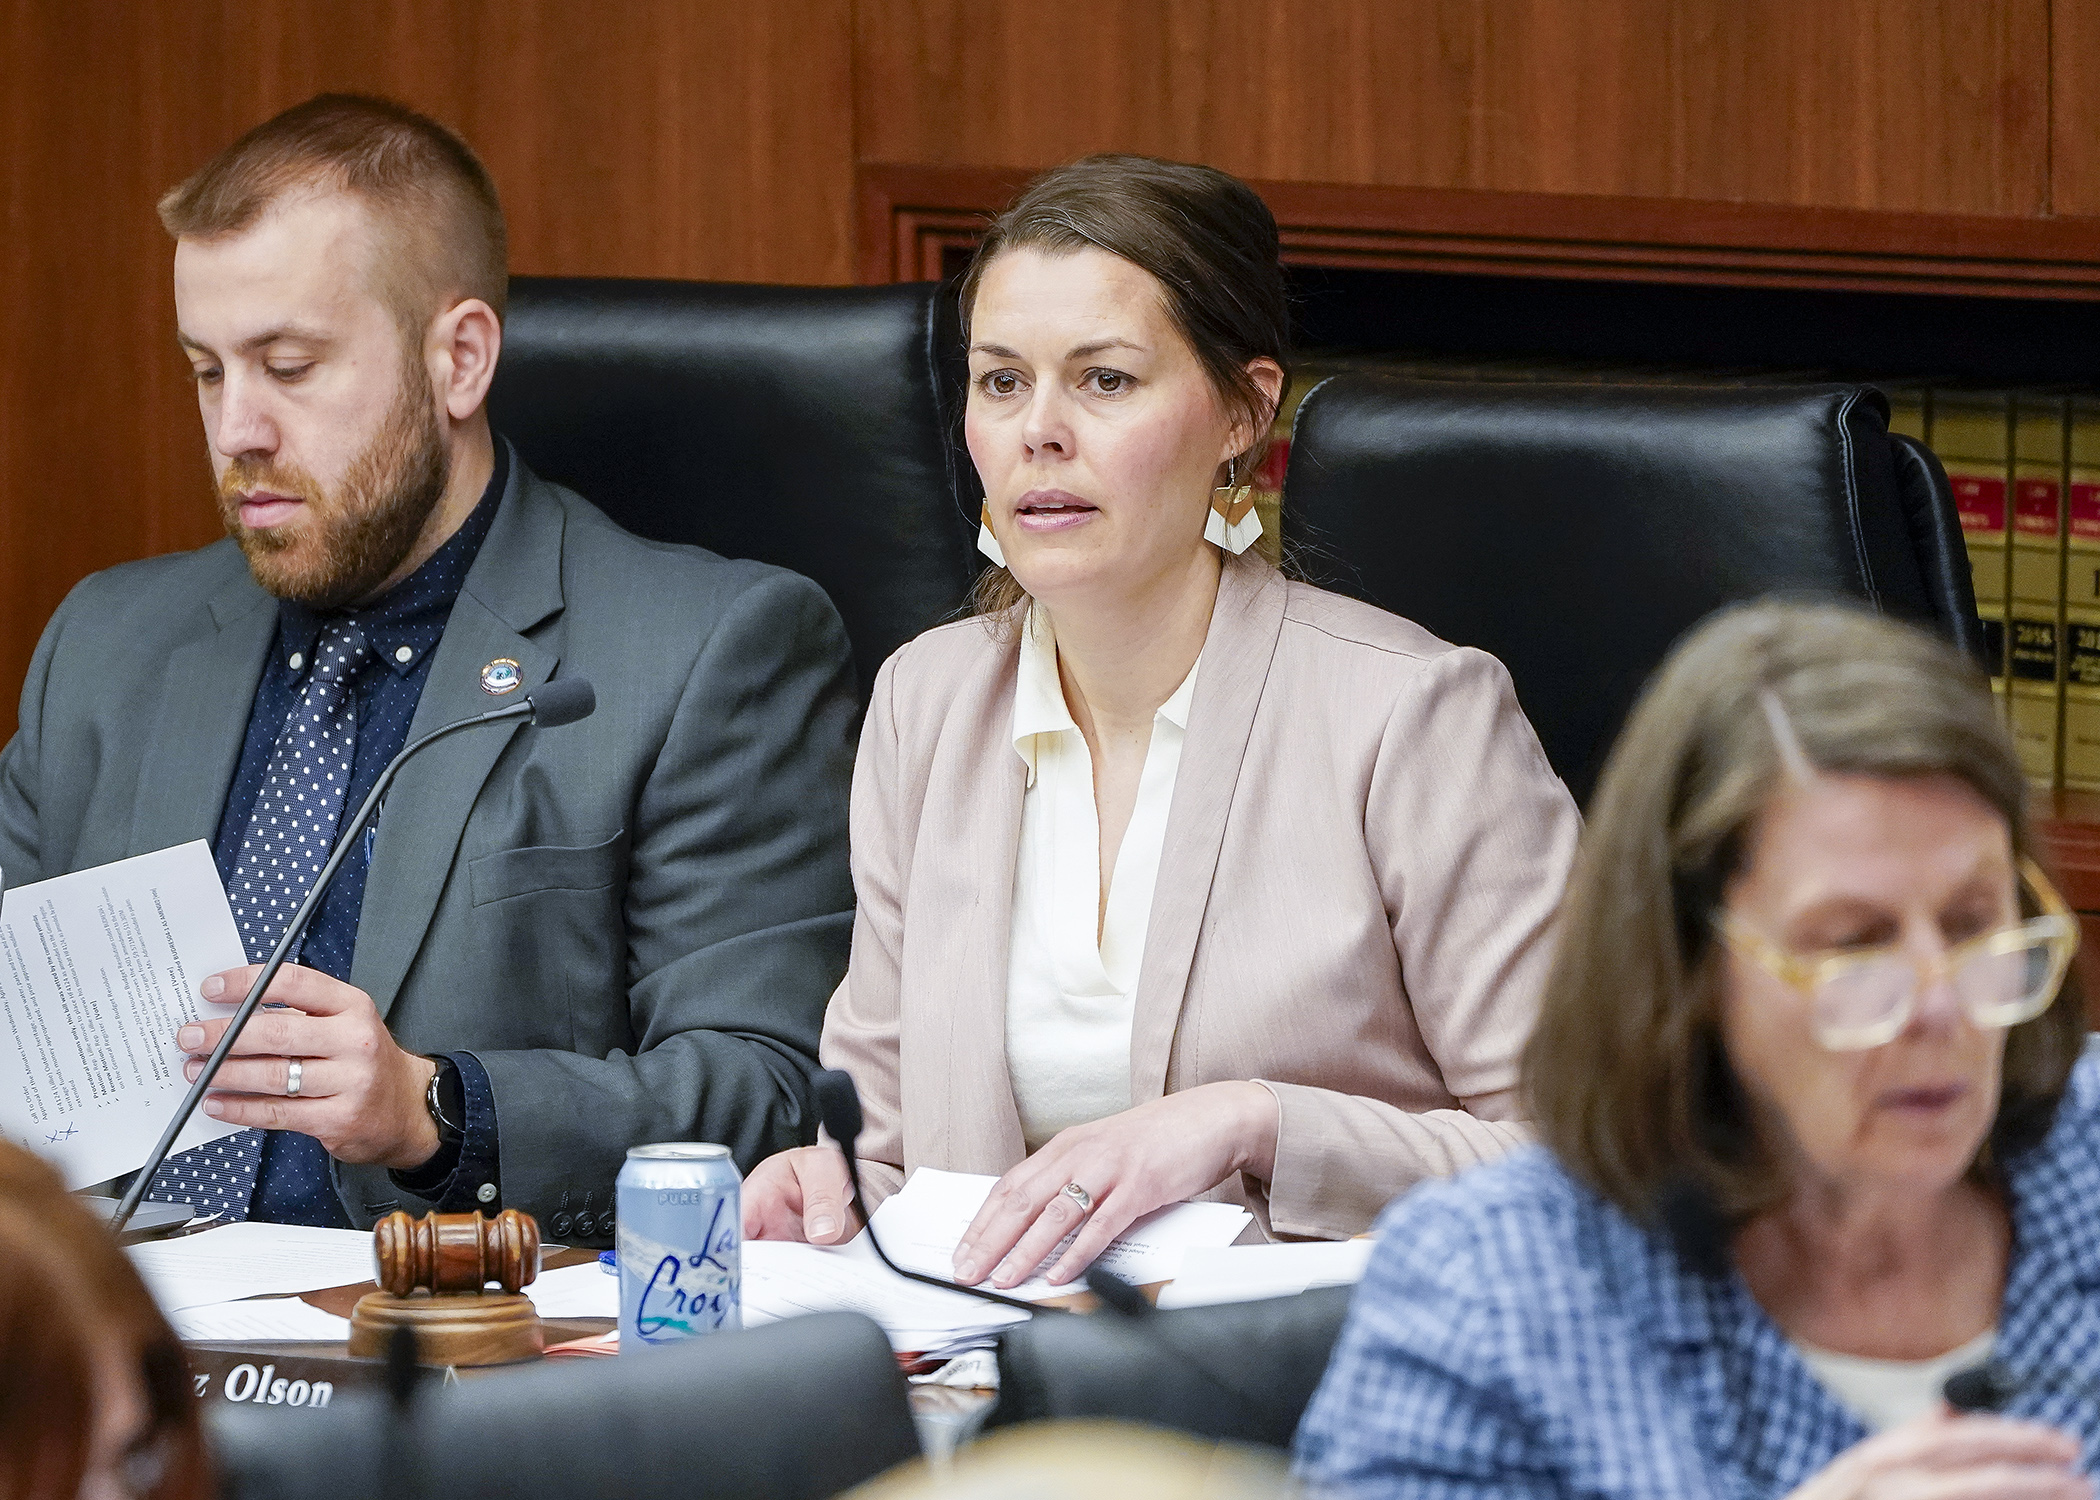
(801, 1194)
(360, 1095)
(1161, 1152)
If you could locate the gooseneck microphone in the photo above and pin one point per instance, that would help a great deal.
(562, 701)
(1984, 1387)
(838, 1107)
(1991, 1385)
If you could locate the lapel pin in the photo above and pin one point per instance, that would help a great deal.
(501, 676)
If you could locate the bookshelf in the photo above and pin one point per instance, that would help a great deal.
(1993, 300)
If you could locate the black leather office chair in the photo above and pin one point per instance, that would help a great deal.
(798, 1410)
(1576, 531)
(803, 426)
(1927, 499)
(1244, 1371)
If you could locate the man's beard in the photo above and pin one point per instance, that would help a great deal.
(350, 540)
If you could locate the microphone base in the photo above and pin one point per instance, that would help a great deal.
(452, 1328)
(151, 1220)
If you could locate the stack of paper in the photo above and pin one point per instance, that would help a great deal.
(264, 1320)
(1244, 1273)
(251, 1259)
(921, 1226)
(584, 1291)
(786, 1280)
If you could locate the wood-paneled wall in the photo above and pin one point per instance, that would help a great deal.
(708, 139)
(718, 139)
(2074, 94)
(1935, 105)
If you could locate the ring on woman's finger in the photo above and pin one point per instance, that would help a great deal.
(1080, 1196)
(294, 1078)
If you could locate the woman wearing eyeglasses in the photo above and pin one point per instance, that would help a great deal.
(1813, 1137)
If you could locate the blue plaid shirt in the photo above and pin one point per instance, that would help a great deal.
(1519, 1335)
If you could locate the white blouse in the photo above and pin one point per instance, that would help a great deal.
(1885, 1393)
(1069, 999)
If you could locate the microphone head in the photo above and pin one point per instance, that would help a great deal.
(838, 1106)
(562, 701)
(1984, 1387)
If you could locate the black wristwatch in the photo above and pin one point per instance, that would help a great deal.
(446, 1099)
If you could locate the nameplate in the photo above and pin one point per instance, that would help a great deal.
(292, 1383)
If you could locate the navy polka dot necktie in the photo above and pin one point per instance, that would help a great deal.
(288, 839)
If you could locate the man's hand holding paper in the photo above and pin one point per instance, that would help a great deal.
(359, 1093)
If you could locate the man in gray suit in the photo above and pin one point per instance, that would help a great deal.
(554, 944)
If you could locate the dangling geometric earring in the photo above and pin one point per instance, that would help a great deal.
(986, 542)
(1232, 522)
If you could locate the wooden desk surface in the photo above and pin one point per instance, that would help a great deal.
(218, 1366)
(341, 1299)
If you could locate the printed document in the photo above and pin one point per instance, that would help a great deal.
(1246, 1273)
(584, 1291)
(251, 1259)
(264, 1320)
(783, 1279)
(97, 970)
(921, 1226)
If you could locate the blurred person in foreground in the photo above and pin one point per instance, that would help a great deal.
(1088, 1460)
(1176, 876)
(1813, 1136)
(95, 1398)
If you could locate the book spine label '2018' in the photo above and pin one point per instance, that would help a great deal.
(2036, 576)
(2081, 730)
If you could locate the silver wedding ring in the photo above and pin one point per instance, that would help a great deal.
(292, 1080)
(1080, 1196)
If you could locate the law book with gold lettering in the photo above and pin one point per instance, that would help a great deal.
(2036, 610)
(2081, 731)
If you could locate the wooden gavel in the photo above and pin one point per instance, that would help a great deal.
(456, 1252)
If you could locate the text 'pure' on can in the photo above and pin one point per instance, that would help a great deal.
(679, 1243)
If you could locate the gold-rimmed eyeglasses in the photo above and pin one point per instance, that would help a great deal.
(1864, 999)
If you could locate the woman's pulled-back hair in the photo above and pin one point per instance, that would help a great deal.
(1204, 236)
(1626, 1073)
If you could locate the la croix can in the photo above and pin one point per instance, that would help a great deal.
(679, 1243)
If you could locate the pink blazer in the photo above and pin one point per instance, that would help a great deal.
(1363, 856)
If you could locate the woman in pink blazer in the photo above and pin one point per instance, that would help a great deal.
(1176, 877)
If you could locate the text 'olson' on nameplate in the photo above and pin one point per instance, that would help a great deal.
(293, 1383)
(97, 970)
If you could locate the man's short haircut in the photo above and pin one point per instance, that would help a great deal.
(441, 225)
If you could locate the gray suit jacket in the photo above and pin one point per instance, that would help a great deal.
(633, 922)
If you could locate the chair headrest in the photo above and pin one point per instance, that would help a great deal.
(802, 426)
(1575, 531)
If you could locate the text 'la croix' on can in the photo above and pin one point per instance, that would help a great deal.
(679, 1243)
